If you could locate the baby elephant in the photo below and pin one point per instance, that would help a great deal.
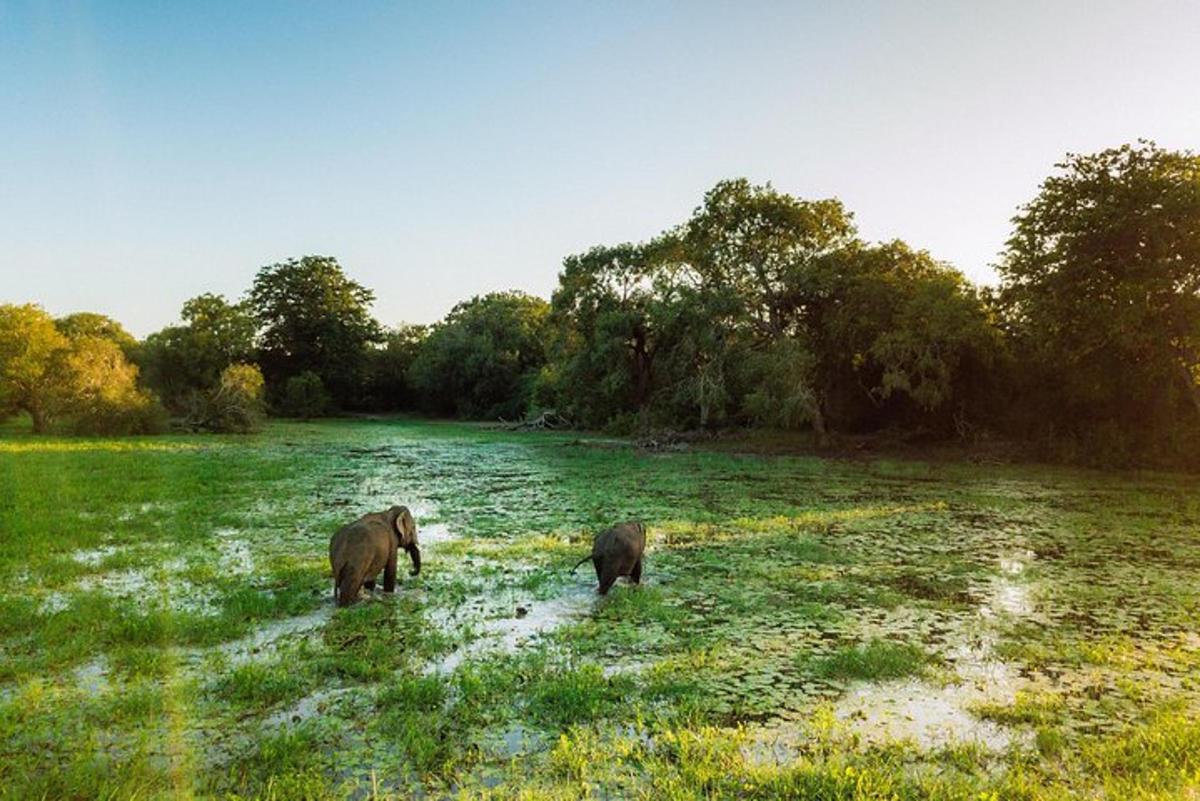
(361, 549)
(617, 551)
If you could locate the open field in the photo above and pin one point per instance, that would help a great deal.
(806, 628)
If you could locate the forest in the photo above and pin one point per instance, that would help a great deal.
(762, 310)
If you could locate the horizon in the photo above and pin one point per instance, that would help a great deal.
(445, 153)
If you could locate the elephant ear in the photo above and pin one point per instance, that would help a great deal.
(406, 527)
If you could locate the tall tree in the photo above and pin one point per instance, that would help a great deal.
(607, 335)
(180, 361)
(28, 341)
(1102, 290)
(388, 384)
(482, 360)
(312, 317)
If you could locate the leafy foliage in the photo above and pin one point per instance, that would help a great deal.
(28, 341)
(1102, 295)
(768, 309)
(313, 318)
(234, 405)
(183, 361)
(304, 396)
(388, 386)
(482, 360)
(84, 380)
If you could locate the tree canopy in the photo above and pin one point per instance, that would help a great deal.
(312, 318)
(1102, 296)
(759, 309)
(482, 360)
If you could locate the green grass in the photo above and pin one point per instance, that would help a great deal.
(168, 619)
(878, 660)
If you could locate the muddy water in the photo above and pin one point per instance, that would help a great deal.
(513, 627)
(934, 715)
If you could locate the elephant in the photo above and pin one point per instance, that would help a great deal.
(359, 550)
(617, 551)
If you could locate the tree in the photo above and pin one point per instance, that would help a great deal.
(483, 358)
(900, 339)
(182, 361)
(767, 308)
(606, 334)
(90, 324)
(388, 387)
(304, 396)
(1101, 288)
(94, 387)
(28, 341)
(313, 318)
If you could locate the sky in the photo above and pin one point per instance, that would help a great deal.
(153, 151)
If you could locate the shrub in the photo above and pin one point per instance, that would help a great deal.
(304, 396)
(235, 405)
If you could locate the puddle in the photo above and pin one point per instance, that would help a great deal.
(233, 552)
(928, 715)
(934, 716)
(140, 588)
(53, 602)
(317, 704)
(93, 676)
(266, 636)
(94, 556)
(509, 633)
(515, 741)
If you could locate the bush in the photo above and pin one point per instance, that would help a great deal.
(235, 405)
(304, 396)
(94, 390)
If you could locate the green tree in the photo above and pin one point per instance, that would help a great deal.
(900, 338)
(93, 386)
(1101, 287)
(29, 340)
(483, 358)
(606, 334)
(312, 317)
(90, 324)
(387, 386)
(305, 396)
(182, 361)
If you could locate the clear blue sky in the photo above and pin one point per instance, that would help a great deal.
(153, 151)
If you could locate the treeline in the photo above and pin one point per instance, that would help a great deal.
(761, 309)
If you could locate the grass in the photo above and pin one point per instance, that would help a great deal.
(878, 660)
(167, 629)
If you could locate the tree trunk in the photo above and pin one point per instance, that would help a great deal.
(818, 422)
(39, 419)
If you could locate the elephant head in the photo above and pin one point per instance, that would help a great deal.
(405, 529)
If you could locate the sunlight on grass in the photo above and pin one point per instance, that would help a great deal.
(181, 642)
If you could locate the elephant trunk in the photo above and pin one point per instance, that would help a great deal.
(415, 554)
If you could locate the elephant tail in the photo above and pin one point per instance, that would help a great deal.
(587, 558)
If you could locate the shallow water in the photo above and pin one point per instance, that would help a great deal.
(1074, 585)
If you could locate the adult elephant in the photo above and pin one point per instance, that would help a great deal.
(359, 550)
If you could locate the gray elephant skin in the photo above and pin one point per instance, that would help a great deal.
(617, 551)
(359, 550)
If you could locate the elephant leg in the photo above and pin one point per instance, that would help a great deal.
(349, 584)
(389, 573)
(636, 574)
(607, 577)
